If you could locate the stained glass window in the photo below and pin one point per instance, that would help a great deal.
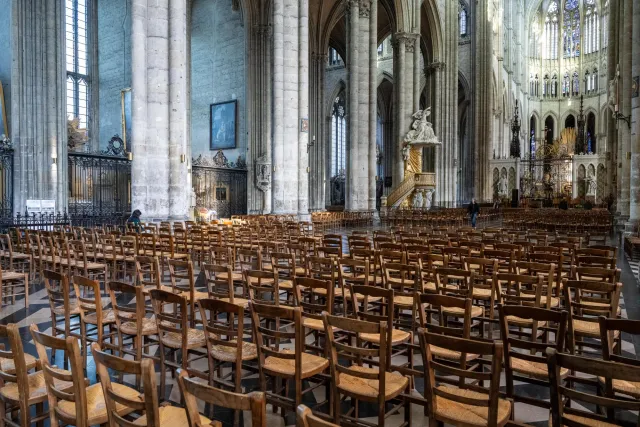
(550, 40)
(592, 27)
(76, 51)
(566, 85)
(534, 39)
(463, 21)
(338, 136)
(576, 83)
(571, 29)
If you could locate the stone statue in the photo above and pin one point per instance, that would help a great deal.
(502, 188)
(405, 152)
(263, 173)
(417, 200)
(421, 130)
(428, 200)
(591, 185)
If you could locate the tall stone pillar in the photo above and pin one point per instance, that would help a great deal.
(317, 157)
(159, 83)
(353, 116)
(483, 54)
(373, 104)
(290, 188)
(624, 92)
(612, 133)
(634, 208)
(303, 109)
(446, 110)
(38, 102)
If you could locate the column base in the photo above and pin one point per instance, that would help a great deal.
(304, 216)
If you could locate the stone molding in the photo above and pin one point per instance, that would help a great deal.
(365, 8)
(409, 40)
(263, 30)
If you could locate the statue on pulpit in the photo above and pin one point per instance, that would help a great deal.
(421, 134)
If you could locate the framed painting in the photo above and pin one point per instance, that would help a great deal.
(125, 101)
(4, 126)
(223, 125)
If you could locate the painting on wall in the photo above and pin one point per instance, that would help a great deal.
(223, 125)
(4, 127)
(125, 100)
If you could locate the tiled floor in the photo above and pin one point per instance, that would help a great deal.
(38, 313)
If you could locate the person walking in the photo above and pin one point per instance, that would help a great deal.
(474, 210)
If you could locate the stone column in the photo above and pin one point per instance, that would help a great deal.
(483, 53)
(278, 107)
(317, 157)
(634, 208)
(612, 134)
(353, 68)
(38, 102)
(624, 133)
(159, 82)
(373, 106)
(179, 190)
(303, 109)
(399, 48)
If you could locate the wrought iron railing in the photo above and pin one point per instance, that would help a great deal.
(6, 180)
(220, 185)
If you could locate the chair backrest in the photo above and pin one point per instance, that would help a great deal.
(249, 259)
(182, 277)
(612, 347)
(170, 321)
(284, 265)
(192, 391)
(587, 300)
(597, 274)
(404, 279)
(323, 269)
(454, 281)
(219, 281)
(563, 388)
(59, 293)
(430, 305)
(521, 289)
(547, 270)
(313, 296)
(222, 255)
(462, 345)
(148, 271)
(57, 380)
(88, 296)
(145, 404)
(130, 304)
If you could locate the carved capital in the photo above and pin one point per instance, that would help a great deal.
(263, 30)
(365, 8)
(435, 66)
(320, 57)
(408, 39)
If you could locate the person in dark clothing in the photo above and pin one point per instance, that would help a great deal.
(564, 205)
(135, 219)
(474, 211)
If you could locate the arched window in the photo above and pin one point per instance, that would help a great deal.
(550, 40)
(576, 84)
(334, 58)
(532, 136)
(594, 78)
(462, 19)
(549, 125)
(338, 136)
(554, 86)
(78, 79)
(534, 39)
(570, 121)
(571, 29)
(537, 86)
(590, 141)
(592, 27)
(545, 86)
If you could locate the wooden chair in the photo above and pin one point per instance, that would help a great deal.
(611, 337)
(19, 389)
(525, 350)
(374, 384)
(313, 296)
(405, 280)
(586, 301)
(82, 266)
(15, 261)
(548, 272)
(71, 400)
(62, 303)
(148, 274)
(271, 326)
(226, 339)
(132, 322)
(183, 282)
(175, 335)
(193, 391)
(93, 317)
(221, 286)
(565, 391)
(448, 307)
(13, 284)
(468, 403)
(145, 405)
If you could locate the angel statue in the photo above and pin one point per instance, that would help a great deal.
(421, 128)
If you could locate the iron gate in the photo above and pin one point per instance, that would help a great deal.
(100, 183)
(6, 181)
(220, 185)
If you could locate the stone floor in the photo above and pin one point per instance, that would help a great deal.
(38, 313)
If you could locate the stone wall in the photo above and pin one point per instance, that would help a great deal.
(218, 71)
(114, 64)
(5, 58)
